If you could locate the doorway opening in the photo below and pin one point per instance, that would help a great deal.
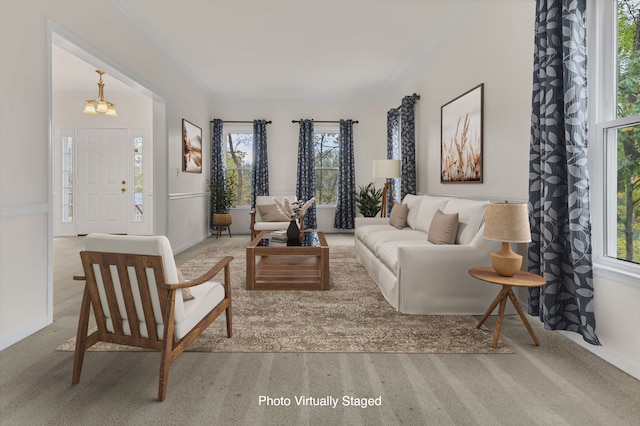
(140, 129)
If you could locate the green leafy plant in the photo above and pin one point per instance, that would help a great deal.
(368, 200)
(224, 195)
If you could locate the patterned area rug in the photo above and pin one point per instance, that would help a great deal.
(352, 316)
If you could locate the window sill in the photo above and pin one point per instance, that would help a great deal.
(617, 271)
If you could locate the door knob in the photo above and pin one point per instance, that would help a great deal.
(124, 182)
(124, 190)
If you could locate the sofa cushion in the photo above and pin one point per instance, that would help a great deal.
(378, 234)
(398, 217)
(363, 231)
(270, 213)
(470, 217)
(388, 251)
(428, 207)
(413, 202)
(443, 228)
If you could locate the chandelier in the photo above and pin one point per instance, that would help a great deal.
(100, 104)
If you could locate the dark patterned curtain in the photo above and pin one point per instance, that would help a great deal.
(408, 146)
(217, 175)
(260, 167)
(393, 153)
(345, 202)
(560, 250)
(306, 181)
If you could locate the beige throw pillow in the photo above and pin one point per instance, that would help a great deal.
(186, 292)
(443, 229)
(398, 216)
(270, 213)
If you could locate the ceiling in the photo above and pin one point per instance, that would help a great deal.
(282, 48)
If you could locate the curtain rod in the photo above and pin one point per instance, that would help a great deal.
(325, 121)
(239, 121)
(415, 96)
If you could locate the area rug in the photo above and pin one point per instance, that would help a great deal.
(352, 316)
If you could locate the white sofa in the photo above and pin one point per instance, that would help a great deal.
(418, 277)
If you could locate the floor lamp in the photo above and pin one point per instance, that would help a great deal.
(386, 169)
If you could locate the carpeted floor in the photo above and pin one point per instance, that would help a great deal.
(352, 316)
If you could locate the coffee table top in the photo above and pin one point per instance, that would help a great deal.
(520, 279)
(310, 238)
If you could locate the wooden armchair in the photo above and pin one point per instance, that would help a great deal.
(266, 217)
(131, 283)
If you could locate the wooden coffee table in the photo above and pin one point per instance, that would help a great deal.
(283, 266)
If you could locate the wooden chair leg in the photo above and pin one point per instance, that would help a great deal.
(165, 363)
(167, 355)
(229, 327)
(81, 337)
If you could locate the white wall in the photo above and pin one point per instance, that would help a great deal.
(493, 44)
(25, 210)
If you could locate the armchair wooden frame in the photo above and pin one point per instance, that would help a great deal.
(167, 344)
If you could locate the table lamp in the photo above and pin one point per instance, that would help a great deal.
(386, 169)
(508, 223)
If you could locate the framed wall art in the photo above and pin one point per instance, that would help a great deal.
(461, 138)
(191, 147)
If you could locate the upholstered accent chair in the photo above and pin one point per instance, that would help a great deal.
(132, 285)
(266, 216)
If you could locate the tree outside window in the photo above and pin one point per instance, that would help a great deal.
(628, 136)
(239, 160)
(326, 167)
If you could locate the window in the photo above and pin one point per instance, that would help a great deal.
(325, 144)
(396, 154)
(239, 160)
(138, 199)
(67, 179)
(619, 134)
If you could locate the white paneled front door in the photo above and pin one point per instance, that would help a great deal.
(102, 176)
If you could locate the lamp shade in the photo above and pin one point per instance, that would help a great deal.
(508, 222)
(386, 169)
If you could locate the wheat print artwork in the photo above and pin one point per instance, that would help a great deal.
(461, 132)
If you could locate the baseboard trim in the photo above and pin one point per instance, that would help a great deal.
(15, 336)
(613, 357)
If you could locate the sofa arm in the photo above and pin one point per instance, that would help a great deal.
(435, 278)
(361, 221)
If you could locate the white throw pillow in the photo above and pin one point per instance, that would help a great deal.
(413, 202)
(429, 205)
(470, 217)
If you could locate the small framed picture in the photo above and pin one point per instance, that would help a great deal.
(191, 147)
(461, 138)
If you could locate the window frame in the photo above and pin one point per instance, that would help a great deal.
(602, 69)
(243, 129)
(327, 128)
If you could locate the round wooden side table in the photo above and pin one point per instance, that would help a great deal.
(520, 279)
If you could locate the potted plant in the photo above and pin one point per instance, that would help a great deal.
(368, 200)
(224, 198)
